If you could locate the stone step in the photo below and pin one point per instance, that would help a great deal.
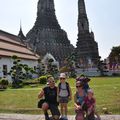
(41, 117)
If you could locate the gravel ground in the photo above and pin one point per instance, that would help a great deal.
(41, 117)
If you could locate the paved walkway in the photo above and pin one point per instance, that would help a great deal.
(41, 117)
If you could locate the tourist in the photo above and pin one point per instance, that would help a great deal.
(64, 95)
(50, 95)
(79, 100)
(90, 104)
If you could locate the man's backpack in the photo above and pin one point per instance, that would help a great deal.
(67, 87)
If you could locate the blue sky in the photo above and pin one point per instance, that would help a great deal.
(103, 16)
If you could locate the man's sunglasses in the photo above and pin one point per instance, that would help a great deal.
(51, 81)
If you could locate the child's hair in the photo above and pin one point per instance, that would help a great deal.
(90, 91)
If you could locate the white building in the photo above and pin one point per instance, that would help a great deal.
(11, 45)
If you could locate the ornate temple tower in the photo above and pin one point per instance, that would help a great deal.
(46, 36)
(87, 47)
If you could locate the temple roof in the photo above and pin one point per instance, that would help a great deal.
(10, 45)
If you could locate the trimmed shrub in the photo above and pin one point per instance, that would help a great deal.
(30, 82)
(42, 79)
(115, 74)
(3, 83)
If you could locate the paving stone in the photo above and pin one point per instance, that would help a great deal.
(41, 117)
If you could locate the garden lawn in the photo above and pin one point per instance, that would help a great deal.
(106, 91)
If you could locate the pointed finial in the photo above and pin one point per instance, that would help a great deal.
(20, 34)
(20, 25)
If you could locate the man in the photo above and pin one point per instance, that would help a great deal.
(50, 95)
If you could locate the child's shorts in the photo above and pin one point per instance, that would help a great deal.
(63, 99)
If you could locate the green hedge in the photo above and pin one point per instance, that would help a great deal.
(42, 79)
(3, 83)
(30, 82)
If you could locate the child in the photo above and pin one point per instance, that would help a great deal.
(64, 94)
(90, 103)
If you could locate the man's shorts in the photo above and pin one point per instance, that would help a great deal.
(63, 99)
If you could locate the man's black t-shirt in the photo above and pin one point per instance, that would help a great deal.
(50, 95)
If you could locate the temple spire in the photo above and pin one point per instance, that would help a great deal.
(87, 47)
(47, 35)
(44, 5)
(46, 17)
(81, 7)
(83, 24)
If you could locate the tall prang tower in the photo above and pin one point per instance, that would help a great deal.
(46, 36)
(87, 47)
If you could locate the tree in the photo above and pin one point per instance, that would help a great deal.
(28, 71)
(114, 55)
(16, 72)
(52, 68)
(101, 66)
(70, 64)
(40, 70)
(19, 72)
